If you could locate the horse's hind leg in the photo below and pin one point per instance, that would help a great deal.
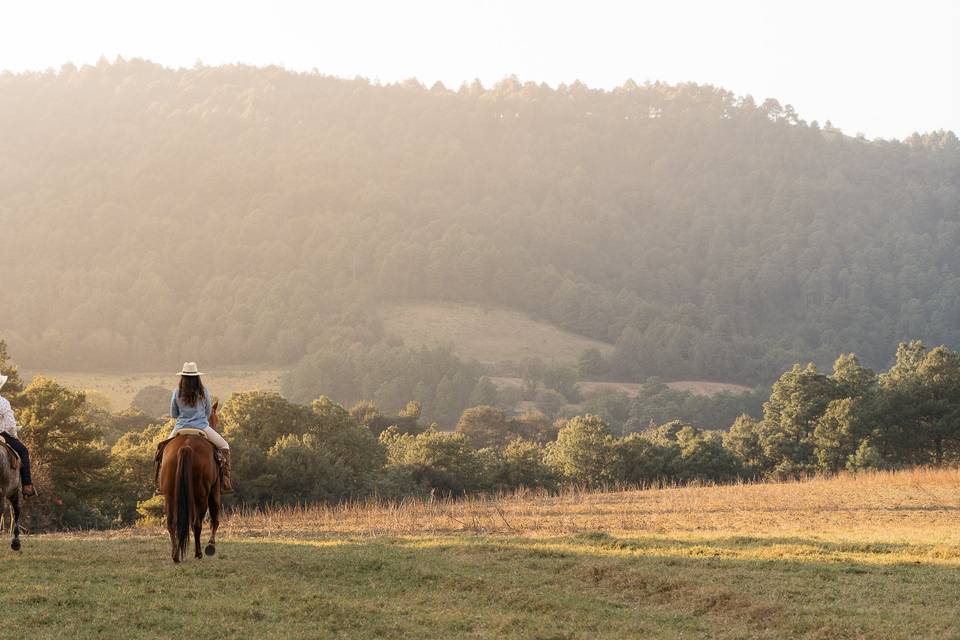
(197, 530)
(15, 503)
(214, 523)
(201, 511)
(172, 529)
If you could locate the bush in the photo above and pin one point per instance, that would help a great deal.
(304, 470)
(867, 456)
(703, 457)
(639, 461)
(523, 464)
(133, 470)
(443, 462)
(151, 511)
(583, 452)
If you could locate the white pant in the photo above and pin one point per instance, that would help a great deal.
(212, 436)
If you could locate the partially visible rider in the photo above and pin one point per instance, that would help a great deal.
(191, 406)
(9, 430)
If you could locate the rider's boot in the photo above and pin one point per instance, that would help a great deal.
(227, 480)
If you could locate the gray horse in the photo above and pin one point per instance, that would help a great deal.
(10, 490)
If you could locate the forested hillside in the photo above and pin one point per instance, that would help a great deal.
(96, 465)
(243, 215)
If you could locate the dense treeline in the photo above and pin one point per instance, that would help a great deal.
(656, 403)
(285, 452)
(444, 386)
(243, 215)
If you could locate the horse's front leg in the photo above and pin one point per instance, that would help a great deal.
(15, 503)
(214, 523)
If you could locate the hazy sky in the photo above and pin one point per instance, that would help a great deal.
(883, 68)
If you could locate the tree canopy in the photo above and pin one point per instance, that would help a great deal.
(253, 215)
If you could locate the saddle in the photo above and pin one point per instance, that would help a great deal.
(191, 433)
(12, 455)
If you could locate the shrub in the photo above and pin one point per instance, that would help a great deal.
(867, 456)
(151, 511)
(583, 452)
(523, 463)
(444, 462)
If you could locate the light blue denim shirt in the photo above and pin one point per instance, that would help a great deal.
(188, 417)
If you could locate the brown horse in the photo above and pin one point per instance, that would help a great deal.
(10, 490)
(190, 482)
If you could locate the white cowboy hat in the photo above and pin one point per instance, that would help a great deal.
(3, 380)
(190, 369)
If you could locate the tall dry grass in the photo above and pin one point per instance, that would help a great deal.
(922, 504)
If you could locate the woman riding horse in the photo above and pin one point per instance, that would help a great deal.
(188, 473)
(190, 405)
(9, 431)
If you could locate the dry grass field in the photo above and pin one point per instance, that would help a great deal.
(120, 388)
(485, 334)
(870, 556)
(919, 506)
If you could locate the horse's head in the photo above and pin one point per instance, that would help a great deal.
(214, 420)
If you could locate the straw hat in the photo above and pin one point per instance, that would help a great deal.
(190, 369)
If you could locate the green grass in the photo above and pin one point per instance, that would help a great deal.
(591, 585)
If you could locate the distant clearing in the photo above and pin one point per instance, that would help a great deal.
(705, 388)
(590, 387)
(120, 388)
(696, 387)
(488, 335)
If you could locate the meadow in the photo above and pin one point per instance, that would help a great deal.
(875, 555)
(487, 334)
(120, 387)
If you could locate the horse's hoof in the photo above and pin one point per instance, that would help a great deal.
(15, 545)
(210, 550)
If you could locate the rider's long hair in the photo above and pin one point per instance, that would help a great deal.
(191, 390)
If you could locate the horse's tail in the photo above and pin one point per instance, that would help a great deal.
(183, 489)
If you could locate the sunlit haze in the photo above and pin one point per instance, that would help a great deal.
(884, 69)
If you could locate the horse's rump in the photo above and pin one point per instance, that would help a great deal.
(203, 457)
(13, 458)
(186, 433)
(10, 489)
